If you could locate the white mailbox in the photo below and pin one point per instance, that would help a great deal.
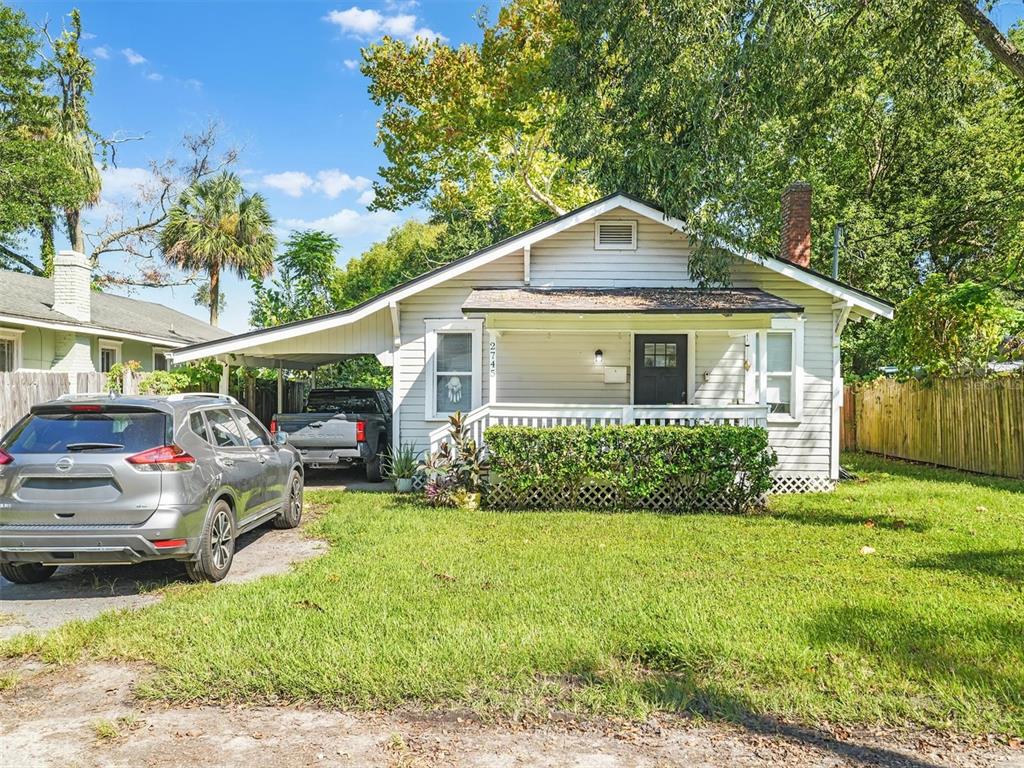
(615, 374)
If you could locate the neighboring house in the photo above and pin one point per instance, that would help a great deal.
(64, 325)
(594, 318)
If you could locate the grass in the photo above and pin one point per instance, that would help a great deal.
(622, 614)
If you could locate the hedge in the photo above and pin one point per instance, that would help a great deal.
(729, 464)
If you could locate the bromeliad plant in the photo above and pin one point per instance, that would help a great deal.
(455, 474)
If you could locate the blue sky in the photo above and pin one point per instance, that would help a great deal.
(283, 81)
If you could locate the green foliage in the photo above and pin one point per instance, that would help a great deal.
(306, 285)
(956, 329)
(455, 473)
(403, 463)
(216, 226)
(115, 376)
(203, 375)
(164, 382)
(732, 462)
(470, 128)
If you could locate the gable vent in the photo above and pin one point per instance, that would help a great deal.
(615, 235)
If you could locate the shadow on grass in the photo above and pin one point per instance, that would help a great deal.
(864, 463)
(831, 518)
(985, 655)
(1000, 563)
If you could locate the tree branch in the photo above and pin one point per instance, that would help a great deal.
(15, 256)
(988, 35)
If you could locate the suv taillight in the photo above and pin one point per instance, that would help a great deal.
(360, 431)
(5, 457)
(164, 458)
(273, 426)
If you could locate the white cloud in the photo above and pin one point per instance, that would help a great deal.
(333, 182)
(367, 197)
(292, 183)
(351, 63)
(101, 52)
(154, 76)
(369, 23)
(194, 84)
(348, 223)
(125, 182)
(133, 57)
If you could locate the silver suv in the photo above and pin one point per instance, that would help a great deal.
(94, 479)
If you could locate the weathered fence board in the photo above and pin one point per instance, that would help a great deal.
(972, 424)
(20, 390)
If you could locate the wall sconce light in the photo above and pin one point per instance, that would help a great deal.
(598, 357)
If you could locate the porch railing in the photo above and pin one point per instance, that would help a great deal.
(558, 415)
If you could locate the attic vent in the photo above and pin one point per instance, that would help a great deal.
(615, 235)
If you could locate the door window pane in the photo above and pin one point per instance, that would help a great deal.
(659, 355)
(197, 425)
(252, 430)
(6, 355)
(225, 431)
(454, 393)
(454, 352)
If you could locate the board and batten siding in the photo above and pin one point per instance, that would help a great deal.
(556, 367)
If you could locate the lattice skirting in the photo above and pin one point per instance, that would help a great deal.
(802, 484)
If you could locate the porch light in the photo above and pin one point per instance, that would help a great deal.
(598, 357)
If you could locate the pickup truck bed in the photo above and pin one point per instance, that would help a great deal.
(341, 428)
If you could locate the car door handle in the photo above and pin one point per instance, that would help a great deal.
(225, 462)
(262, 458)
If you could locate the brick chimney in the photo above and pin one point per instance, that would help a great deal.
(796, 223)
(72, 285)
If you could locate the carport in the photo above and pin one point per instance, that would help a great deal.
(303, 345)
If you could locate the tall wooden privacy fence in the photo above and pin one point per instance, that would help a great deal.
(21, 390)
(971, 424)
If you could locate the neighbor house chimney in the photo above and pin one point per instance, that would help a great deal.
(796, 223)
(72, 285)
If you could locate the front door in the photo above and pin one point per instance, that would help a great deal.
(659, 365)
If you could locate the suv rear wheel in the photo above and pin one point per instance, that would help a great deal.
(26, 573)
(291, 513)
(216, 546)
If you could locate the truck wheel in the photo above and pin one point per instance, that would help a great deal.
(291, 513)
(216, 546)
(26, 573)
(373, 470)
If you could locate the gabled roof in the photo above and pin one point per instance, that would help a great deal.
(28, 299)
(868, 304)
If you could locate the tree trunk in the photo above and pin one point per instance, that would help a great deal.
(73, 216)
(214, 294)
(988, 35)
(47, 250)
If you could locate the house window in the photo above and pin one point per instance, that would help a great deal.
(110, 355)
(659, 355)
(10, 350)
(780, 357)
(453, 362)
(160, 360)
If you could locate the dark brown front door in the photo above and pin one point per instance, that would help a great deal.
(659, 363)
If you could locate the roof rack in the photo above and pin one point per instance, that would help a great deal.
(75, 395)
(207, 395)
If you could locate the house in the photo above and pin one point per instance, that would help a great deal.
(594, 318)
(64, 325)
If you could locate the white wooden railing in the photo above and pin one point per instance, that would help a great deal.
(558, 415)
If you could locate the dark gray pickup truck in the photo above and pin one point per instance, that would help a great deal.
(341, 428)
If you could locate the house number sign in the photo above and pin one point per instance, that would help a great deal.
(492, 353)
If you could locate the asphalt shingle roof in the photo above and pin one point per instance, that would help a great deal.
(639, 300)
(31, 297)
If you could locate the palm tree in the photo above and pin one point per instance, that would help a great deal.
(215, 226)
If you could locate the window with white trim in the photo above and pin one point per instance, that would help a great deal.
(453, 367)
(10, 350)
(160, 359)
(110, 355)
(779, 370)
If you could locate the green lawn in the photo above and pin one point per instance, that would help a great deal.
(778, 613)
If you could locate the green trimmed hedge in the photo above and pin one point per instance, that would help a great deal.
(730, 464)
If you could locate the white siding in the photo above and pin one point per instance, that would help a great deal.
(557, 366)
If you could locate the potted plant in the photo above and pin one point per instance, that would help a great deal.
(402, 466)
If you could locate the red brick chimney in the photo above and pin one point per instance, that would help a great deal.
(796, 223)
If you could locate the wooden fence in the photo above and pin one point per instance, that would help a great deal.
(21, 390)
(971, 424)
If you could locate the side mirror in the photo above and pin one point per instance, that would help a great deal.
(280, 438)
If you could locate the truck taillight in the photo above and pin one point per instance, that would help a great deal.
(273, 426)
(5, 457)
(360, 431)
(164, 458)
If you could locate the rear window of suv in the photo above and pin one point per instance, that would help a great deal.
(121, 432)
(342, 402)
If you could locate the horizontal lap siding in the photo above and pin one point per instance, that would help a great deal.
(371, 336)
(559, 368)
(720, 356)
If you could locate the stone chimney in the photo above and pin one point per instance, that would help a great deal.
(72, 285)
(796, 224)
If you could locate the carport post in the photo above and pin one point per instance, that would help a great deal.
(225, 377)
(280, 388)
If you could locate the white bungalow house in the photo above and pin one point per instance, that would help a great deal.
(593, 318)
